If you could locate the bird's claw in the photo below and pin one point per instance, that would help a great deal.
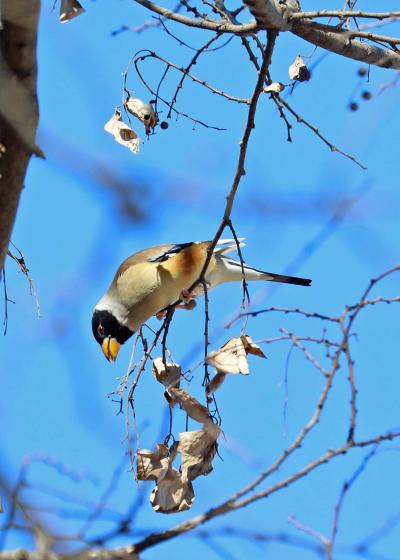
(188, 306)
(186, 297)
(161, 314)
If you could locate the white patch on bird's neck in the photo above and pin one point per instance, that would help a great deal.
(120, 312)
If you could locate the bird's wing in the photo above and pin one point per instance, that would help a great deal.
(170, 251)
(154, 278)
(147, 255)
(161, 253)
(182, 262)
(222, 246)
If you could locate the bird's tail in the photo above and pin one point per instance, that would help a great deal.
(287, 279)
(232, 271)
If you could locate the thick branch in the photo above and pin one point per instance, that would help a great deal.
(272, 14)
(18, 106)
(342, 14)
(341, 42)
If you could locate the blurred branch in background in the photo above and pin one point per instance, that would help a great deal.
(131, 196)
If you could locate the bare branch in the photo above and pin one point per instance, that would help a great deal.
(221, 26)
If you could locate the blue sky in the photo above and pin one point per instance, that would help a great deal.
(74, 231)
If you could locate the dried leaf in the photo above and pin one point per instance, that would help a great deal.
(298, 71)
(230, 358)
(167, 374)
(275, 87)
(1, 506)
(215, 382)
(251, 347)
(198, 449)
(171, 494)
(70, 9)
(153, 465)
(189, 404)
(143, 111)
(122, 133)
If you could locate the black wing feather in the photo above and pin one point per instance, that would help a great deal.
(171, 252)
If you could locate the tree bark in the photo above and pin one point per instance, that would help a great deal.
(340, 41)
(273, 14)
(18, 107)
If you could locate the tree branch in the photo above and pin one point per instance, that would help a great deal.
(344, 14)
(340, 41)
(211, 25)
(18, 120)
(273, 14)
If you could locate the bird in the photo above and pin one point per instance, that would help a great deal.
(151, 280)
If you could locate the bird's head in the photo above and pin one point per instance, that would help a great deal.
(109, 333)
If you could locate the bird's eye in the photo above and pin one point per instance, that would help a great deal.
(100, 330)
(146, 117)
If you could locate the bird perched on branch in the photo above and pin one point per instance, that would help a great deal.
(151, 280)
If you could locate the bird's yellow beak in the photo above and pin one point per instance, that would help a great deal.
(110, 348)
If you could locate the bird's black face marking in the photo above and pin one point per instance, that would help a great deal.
(104, 325)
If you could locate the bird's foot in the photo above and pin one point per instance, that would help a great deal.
(161, 314)
(188, 306)
(186, 297)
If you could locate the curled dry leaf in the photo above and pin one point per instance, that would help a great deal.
(173, 491)
(198, 449)
(122, 133)
(171, 494)
(215, 382)
(189, 404)
(70, 9)
(232, 356)
(298, 71)
(143, 111)
(275, 87)
(167, 374)
(152, 465)
(251, 347)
